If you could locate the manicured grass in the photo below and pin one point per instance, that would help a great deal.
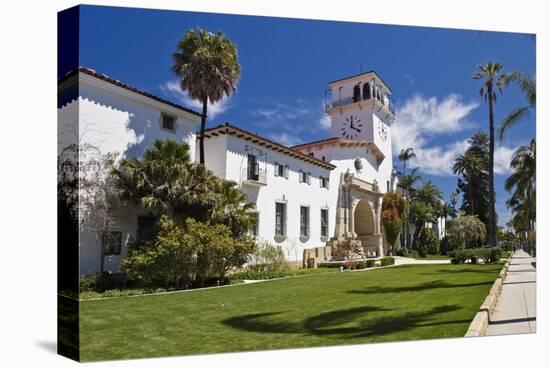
(397, 303)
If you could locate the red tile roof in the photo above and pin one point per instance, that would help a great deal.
(228, 128)
(118, 83)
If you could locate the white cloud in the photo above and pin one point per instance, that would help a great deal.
(503, 156)
(325, 122)
(421, 119)
(286, 139)
(214, 109)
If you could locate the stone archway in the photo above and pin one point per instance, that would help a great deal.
(363, 218)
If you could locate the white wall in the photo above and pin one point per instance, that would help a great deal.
(278, 188)
(117, 121)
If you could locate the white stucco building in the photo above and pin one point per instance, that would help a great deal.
(308, 198)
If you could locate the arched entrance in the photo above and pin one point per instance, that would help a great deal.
(363, 218)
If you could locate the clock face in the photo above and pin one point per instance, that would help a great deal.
(382, 131)
(351, 127)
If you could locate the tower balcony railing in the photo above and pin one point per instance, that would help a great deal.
(388, 104)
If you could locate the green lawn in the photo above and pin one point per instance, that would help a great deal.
(398, 303)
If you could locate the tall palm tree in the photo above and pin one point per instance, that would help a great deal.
(528, 86)
(208, 68)
(404, 156)
(522, 183)
(407, 183)
(469, 165)
(492, 79)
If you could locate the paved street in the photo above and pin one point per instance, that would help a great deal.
(515, 312)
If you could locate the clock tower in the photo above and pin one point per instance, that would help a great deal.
(360, 109)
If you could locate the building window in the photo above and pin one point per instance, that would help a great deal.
(323, 158)
(253, 230)
(304, 222)
(304, 177)
(112, 243)
(147, 228)
(323, 182)
(280, 219)
(168, 122)
(387, 186)
(281, 170)
(311, 154)
(253, 168)
(324, 223)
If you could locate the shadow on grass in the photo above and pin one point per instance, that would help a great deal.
(436, 284)
(475, 269)
(352, 322)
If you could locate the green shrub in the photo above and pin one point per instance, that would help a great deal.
(447, 245)
(100, 282)
(488, 254)
(361, 265)
(370, 263)
(427, 243)
(460, 256)
(268, 257)
(385, 261)
(330, 265)
(402, 251)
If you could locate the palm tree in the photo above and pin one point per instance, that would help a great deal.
(428, 194)
(404, 156)
(492, 79)
(528, 86)
(207, 65)
(407, 183)
(469, 165)
(522, 182)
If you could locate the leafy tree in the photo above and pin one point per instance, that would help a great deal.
(208, 68)
(467, 231)
(393, 213)
(474, 181)
(492, 78)
(528, 86)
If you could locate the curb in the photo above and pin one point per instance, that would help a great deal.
(479, 324)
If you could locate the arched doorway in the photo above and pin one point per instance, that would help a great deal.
(363, 218)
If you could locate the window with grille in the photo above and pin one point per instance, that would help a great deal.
(304, 221)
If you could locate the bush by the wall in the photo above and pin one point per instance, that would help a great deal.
(370, 263)
(460, 256)
(387, 261)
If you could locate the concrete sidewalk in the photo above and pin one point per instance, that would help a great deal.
(515, 311)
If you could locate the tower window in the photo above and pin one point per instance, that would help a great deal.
(356, 93)
(366, 91)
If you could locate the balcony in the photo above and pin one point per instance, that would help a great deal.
(388, 104)
(255, 176)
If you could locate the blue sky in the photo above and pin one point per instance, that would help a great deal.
(286, 64)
